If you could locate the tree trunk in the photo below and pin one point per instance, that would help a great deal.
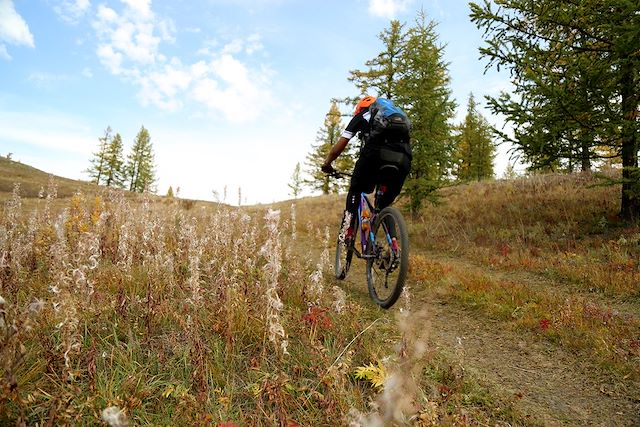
(585, 156)
(630, 205)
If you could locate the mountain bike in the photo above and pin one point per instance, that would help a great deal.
(384, 245)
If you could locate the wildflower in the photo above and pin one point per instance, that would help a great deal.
(3, 325)
(273, 252)
(544, 324)
(339, 300)
(114, 417)
(293, 221)
(36, 306)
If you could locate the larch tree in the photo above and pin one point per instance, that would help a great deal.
(295, 185)
(575, 67)
(410, 71)
(114, 163)
(140, 167)
(475, 149)
(98, 163)
(327, 136)
(382, 72)
(424, 90)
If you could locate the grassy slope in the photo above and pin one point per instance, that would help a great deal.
(541, 259)
(33, 180)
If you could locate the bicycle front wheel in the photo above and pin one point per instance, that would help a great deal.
(387, 269)
(344, 254)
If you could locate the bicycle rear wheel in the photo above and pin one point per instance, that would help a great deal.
(344, 253)
(387, 270)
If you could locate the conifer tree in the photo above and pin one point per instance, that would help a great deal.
(97, 169)
(383, 72)
(114, 163)
(424, 90)
(475, 146)
(296, 181)
(410, 70)
(327, 136)
(576, 72)
(140, 168)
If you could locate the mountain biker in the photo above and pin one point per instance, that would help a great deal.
(369, 169)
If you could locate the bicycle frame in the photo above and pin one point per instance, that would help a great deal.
(367, 237)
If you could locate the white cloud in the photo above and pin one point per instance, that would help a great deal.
(130, 42)
(134, 34)
(388, 8)
(45, 79)
(142, 8)
(72, 11)
(250, 45)
(13, 29)
(230, 88)
(3, 52)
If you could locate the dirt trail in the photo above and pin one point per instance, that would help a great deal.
(551, 385)
(555, 386)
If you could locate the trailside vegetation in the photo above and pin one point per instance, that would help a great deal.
(575, 69)
(140, 310)
(475, 146)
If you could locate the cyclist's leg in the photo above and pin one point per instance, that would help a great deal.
(362, 181)
(391, 182)
(392, 178)
(392, 185)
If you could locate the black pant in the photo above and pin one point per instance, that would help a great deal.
(369, 171)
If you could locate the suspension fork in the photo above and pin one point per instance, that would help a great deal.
(366, 213)
(391, 241)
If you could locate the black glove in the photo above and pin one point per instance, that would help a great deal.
(327, 168)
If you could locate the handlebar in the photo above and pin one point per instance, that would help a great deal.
(338, 174)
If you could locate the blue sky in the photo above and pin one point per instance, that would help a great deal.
(232, 92)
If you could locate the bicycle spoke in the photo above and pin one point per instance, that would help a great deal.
(386, 271)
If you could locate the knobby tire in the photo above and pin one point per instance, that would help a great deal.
(344, 254)
(386, 273)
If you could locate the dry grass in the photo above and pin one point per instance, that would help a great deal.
(544, 253)
(143, 310)
(146, 313)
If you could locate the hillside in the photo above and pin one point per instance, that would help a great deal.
(33, 180)
(522, 309)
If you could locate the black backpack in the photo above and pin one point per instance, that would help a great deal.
(389, 124)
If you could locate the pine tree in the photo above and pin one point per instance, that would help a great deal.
(576, 74)
(424, 90)
(410, 70)
(296, 182)
(510, 172)
(475, 146)
(327, 136)
(97, 169)
(114, 163)
(383, 71)
(140, 168)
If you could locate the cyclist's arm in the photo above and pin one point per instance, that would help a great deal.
(356, 124)
(335, 151)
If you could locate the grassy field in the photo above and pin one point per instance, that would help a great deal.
(140, 310)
